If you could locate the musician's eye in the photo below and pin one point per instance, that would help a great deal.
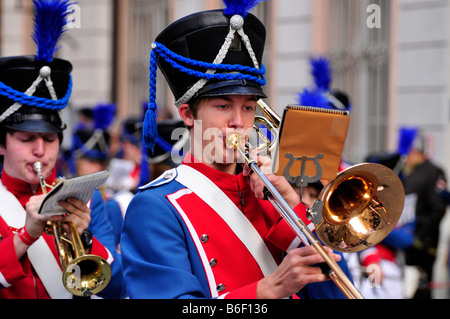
(222, 106)
(50, 138)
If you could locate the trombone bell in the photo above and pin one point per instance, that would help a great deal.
(360, 207)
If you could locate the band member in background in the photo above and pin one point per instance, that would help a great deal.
(31, 129)
(420, 178)
(203, 229)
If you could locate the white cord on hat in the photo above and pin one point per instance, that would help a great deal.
(236, 25)
(44, 75)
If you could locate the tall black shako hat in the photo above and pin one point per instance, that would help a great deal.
(209, 53)
(93, 142)
(35, 88)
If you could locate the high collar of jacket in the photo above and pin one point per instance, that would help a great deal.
(225, 181)
(22, 190)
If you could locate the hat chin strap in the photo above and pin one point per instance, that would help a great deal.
(236, 25)
(44, 75)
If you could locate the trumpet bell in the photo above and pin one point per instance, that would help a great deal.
(360, 207)
(87, 275)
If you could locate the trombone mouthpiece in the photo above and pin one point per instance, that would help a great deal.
(233, 140)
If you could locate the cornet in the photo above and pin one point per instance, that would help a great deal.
(353, 212)
(83, 274)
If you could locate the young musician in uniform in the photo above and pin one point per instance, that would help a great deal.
(31, 129)
(203, 229)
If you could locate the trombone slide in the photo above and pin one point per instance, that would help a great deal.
(331, 268)
(298, 226)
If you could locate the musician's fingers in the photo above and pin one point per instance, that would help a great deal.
(79, 213)
(72, 205)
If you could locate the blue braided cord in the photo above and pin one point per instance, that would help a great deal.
(149, 128)
(165, 53)
(153, 72)
(166, 146)
(168, 55)
(22, 98)
(218, 76)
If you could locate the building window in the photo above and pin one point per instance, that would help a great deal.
(359, 54)
(144, 21)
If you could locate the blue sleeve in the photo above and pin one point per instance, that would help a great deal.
(326, 289)
(158, 260)
(115, 218)
(400, 237)
(101, 229)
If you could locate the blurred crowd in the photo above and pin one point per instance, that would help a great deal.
(411, 262)
(100, 141)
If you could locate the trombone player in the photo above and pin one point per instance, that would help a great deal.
(30, 132)
(203, 230)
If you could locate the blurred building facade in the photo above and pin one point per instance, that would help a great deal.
(392, 57)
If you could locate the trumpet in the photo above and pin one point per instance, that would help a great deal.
(83, 274)
(353, 212)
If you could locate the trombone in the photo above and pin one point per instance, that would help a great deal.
(353, 212)
(83, 274)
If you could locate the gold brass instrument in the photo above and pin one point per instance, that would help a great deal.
(353, 212)
(359, 208)
(83, 274)
(270, 120)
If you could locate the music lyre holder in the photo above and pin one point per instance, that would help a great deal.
(302, 180)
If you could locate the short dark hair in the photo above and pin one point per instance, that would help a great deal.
(194, 103)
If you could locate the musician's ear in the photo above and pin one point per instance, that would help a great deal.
(186, 115)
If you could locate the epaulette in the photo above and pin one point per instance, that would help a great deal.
(163, 179)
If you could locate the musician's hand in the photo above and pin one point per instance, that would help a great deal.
(79, 214)
(295, 271)
(35, 222)
(279, 182)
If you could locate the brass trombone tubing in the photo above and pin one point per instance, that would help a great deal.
(269, 113)
(298, 226)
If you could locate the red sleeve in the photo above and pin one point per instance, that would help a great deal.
(11, 269)
(100, 250)
(281, 234)
(370, 256)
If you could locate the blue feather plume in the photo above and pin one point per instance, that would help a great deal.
(103, 115)
(407, 135)
(314, 98)
(240, 7)
(50, 20)
(321, 72)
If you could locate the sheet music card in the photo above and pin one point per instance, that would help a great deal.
(80, 187)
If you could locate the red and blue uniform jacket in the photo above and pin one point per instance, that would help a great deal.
(162, 261)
